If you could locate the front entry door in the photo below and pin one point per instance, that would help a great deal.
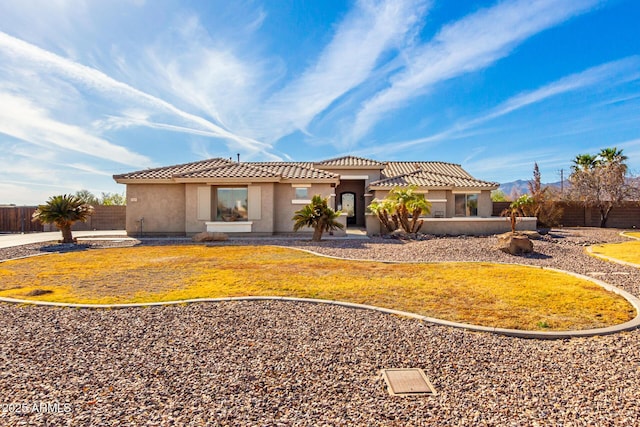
(348, 201)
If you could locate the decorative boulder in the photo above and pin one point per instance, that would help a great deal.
(210, 237)
(514, 244)
(533, 235)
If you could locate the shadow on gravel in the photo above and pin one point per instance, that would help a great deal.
(65, 247)
(537, 255)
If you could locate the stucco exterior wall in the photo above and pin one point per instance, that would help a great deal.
(373, 175)
(267, 209)
(485, 204)
(192, 223)
(438, 199)
(155, 209)
(284, 208)
(262, 224)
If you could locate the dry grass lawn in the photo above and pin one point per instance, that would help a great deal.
(625, 251)
(632, 234)
(496, 295)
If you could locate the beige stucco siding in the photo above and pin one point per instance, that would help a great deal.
(192, 223)
(284, 195)
(485, 204)
(373, 175)
(260, 205)
(438, 200)
(265, 223)
(161, 205)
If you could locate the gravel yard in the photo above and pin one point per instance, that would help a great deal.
(282, 363)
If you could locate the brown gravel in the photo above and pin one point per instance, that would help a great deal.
(276, 363)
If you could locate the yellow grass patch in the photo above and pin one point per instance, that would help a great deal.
(497, 295)
(626, 251)
(632, 234)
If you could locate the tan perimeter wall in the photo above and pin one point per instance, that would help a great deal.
(161, 205)
(474, 226)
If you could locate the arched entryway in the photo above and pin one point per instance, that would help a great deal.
(348, 206)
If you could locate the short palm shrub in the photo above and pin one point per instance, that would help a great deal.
(317, 215)
(518, 208)
(401, 208)
(63, 211)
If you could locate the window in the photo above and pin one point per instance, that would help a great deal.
(466, 204)
(302, 193)
(232, 204)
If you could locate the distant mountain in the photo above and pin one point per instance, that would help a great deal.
(521, 186)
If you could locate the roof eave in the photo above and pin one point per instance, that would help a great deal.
(144, 180)
(311, 180)
(345, 167)
(216, 181)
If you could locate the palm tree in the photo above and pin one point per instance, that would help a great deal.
(405, 206)
(63, 211)
(317, 215)
(612, 155)
(585, 162)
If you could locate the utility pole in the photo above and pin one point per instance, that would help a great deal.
(562, 182)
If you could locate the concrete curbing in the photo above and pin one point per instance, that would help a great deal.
(624, 234)
(610, 259)
(627, 326)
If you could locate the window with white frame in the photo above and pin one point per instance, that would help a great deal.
(302, 193)
(232, 204)
(466, 205)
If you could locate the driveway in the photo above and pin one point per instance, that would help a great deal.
(10, 240)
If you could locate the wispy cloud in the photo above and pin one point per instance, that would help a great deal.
(610, 74)
(40, 59)
(24, 120)
(369, 31)
(468, 45)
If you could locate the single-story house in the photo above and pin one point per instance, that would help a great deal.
(260, 198)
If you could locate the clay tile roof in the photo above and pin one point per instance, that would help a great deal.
(167, 172)
(400, 168)
(429, 174)
(351, 161)
(291, 170)
(231, 170)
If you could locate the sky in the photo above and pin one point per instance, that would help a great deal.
(89, 89)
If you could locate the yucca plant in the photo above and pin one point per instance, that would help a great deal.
(63, 211)
(317, 215)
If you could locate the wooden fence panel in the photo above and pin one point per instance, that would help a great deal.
(577, 215)
(17, 219)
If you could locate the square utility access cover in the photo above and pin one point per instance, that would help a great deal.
(407, 382)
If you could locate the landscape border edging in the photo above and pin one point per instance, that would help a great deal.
(627, 326)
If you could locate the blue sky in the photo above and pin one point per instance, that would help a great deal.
(89, 89)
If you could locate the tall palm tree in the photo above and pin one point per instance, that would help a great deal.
(585, 162)
(614, 158)
(317, 215)
(63, 211)
(612, 155)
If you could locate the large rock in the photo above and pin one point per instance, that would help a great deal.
(207, 236)
(514, 244)
(533, 235)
